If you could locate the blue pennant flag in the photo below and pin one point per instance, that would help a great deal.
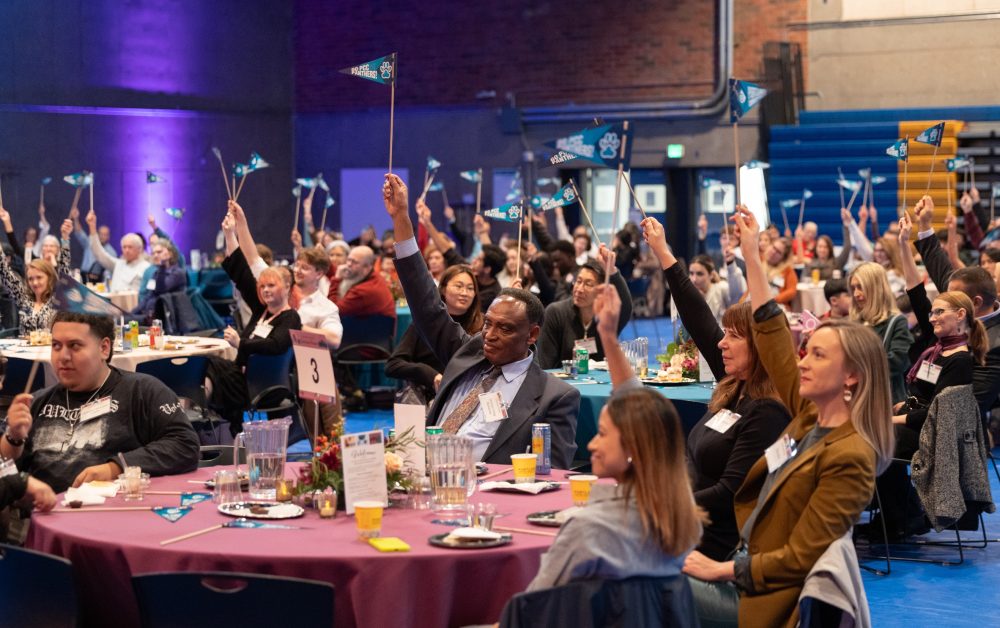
(172, 514)
(437, 186)
(878, 179)
(900, 149)
(308, 182)
(72, 296)
(241, 170)
(256, 162)
(536, 201)
(753, 163)
(381, 70)
(511, 212)
(791, 202)
(80, 179)
(707, 183)
(543, 181)
(46, 180)
(807, 194)
(297, 191)
(864, 173)
(565, 196)
(932, 135)
(600, 145)
(516, 188)
(849, 185)
(217, 153)
(152, 177)
(958, 163)
(432, 165)
(329, 202)
(174, 212)
(743, 97)
(189, 499)
(321, 182)
(473, 176)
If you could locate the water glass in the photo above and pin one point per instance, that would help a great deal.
(227, 488)
(485, 513)
(133, 483)
(453, 472)
(421, 493)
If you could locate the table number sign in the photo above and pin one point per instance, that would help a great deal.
(314, 366)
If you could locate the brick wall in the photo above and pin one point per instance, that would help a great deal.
(545, 52)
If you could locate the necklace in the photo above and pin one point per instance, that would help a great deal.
(69, 414)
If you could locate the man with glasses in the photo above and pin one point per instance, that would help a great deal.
(570, 323)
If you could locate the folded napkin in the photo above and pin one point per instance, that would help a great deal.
(474, 534)
(104, 489)
(596, 365)
(533, 487)
(89, 495)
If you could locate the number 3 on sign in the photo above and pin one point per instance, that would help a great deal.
(312, 360)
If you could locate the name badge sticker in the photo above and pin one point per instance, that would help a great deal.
(779, 453)
(95, 409)
(590, 344)
(929, 372)
(722, 421)
(7, 467)
(494, 409)
(262, 330)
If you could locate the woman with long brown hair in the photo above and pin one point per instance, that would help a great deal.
(809, 489)
(412, 359)
(744, 415)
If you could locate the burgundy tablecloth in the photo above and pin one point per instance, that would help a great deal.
(426, 586)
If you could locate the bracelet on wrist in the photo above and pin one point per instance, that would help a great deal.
(15, 442)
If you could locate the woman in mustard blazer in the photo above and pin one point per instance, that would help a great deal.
(811, 485)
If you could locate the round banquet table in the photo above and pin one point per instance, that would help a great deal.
(691, 401)
(810, 296)
(19, 349)
(427, 586)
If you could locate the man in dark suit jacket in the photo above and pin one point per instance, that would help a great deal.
(511, 326)
(979, 286)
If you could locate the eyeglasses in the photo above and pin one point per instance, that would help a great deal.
(940, 311)
(461, 288)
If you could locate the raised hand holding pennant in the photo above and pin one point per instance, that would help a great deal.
(743, 96)
(382, 71)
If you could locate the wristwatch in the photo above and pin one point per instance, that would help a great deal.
(15, 442)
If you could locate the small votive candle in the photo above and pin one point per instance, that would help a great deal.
(284, 488)
(327, 503)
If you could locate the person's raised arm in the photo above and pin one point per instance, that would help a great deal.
(951, 246)
(562, 232)
(247, 244)
(910, 272)
(607, 311)
(935, 258)
(482, 228)
(63, 261)
(439, 239)
(972, 228)
(861, 244)
(11, 236)
(102, 257)
(229, 232)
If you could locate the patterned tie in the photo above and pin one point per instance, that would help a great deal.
(465, 409)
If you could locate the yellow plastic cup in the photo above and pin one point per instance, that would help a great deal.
(524, 467)
(368, 518)
(579, 487)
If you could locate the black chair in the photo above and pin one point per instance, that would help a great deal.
(219, 455)
(15, 377)
(186, 377)
(176, 600)
(366, 339)
(273, 390)
(38, 589)
(216, 288)
(10, 332)
(639, 601)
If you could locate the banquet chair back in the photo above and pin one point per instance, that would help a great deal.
(174, 600)
(639, 601)
(272, 389)
(186, 377)
(366, 339)
(38, 589)
(15, 377)
(219, 456)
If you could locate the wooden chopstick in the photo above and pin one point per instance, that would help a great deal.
(104, 509)
(496, 473)
(189, 535)
(164, 492)
(525, 531)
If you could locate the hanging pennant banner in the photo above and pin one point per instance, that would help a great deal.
(599, 145)
(931, 135)
(743, 96)
(899, 150)
(381, 70)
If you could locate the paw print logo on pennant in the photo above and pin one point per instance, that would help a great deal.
(386, 69)
(609, 145)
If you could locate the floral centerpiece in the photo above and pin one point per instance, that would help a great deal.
(681, 352)
(326, 467)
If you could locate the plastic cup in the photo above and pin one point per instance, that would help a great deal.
(524, 467)
(133, 483)
(227, 488)
(579, 487)
(368, 518)
(160, 342)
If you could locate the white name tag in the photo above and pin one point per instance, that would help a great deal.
(494, 409)
(779, 453)
(722, 421)
(262, 330)
(590, 344)
(929, 372)
(7, 467)
(95, 409)
(151, 284)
